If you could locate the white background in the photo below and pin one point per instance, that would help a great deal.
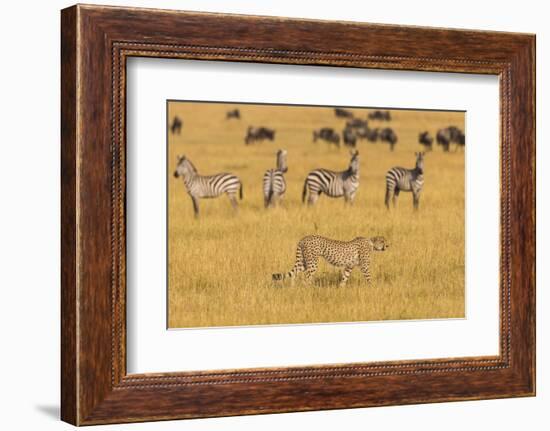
(29, 225)
(152, 349)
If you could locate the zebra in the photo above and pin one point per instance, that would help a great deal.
(406, 180)
(207, 186)
(274, 181)
(333, 184)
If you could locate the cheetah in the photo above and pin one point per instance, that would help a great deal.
(345, 255)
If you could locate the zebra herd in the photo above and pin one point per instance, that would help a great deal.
(334, 184)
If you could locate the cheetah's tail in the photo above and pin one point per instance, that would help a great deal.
(298, 266)
(283, 275)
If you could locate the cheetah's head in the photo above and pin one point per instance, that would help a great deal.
(379, 243)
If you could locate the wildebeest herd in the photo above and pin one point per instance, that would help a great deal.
(356, 129)
(319, 181)
(444, 137)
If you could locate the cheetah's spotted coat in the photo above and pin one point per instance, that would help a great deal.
(346, 255)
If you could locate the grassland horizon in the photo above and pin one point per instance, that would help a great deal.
(220, 265)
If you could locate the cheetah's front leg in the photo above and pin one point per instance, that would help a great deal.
(365, 266)
(345, 275)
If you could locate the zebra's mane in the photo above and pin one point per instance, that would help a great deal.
(191, 165)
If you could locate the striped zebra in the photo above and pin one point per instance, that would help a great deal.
(274, 181)
(207, 186)
(406, 180)
(333, 184)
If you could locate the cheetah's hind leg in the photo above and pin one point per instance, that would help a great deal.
(310, 263)
(345, 275)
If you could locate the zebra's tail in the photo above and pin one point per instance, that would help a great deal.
(269, 197)
(304, 191)
(387, 200)
(241, 192)
(390, 187)
(298, 266)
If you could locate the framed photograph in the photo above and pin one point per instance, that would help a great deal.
(264, 215)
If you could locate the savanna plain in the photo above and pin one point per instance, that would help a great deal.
(220, 265)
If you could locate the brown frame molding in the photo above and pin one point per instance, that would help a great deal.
(95, 43)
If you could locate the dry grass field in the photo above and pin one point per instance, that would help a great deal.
(220, 265)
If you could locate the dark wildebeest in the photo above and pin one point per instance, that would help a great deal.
(452, 134)
(460, 138)
(356, 123)
(235, 113)
(357, 129)
(372, 135)
(258, 134)
(176, 126)
(350, 137)
(426, 140)
(360, 132)
(389, 136)
(342, 113)
(380, 115)
(327, 134)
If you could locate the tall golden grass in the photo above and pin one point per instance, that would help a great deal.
(220, 265)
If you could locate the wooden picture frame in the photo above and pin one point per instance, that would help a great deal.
(95, 43)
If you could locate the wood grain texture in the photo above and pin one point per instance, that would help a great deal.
(96, 41)
(69, 397)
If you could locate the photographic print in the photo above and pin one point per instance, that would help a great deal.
(293, 214)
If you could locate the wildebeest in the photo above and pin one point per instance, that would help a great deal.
(235, 113)
(448, 135)
(356, 128)
(426, 140)
(365, 132)
(356, 123)
(258, 134)
(389, 136)
(372, 135)
(380, 115)
(350, 137)
(460, 138)
(327, 134)
(342, 113)
(176, 126)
